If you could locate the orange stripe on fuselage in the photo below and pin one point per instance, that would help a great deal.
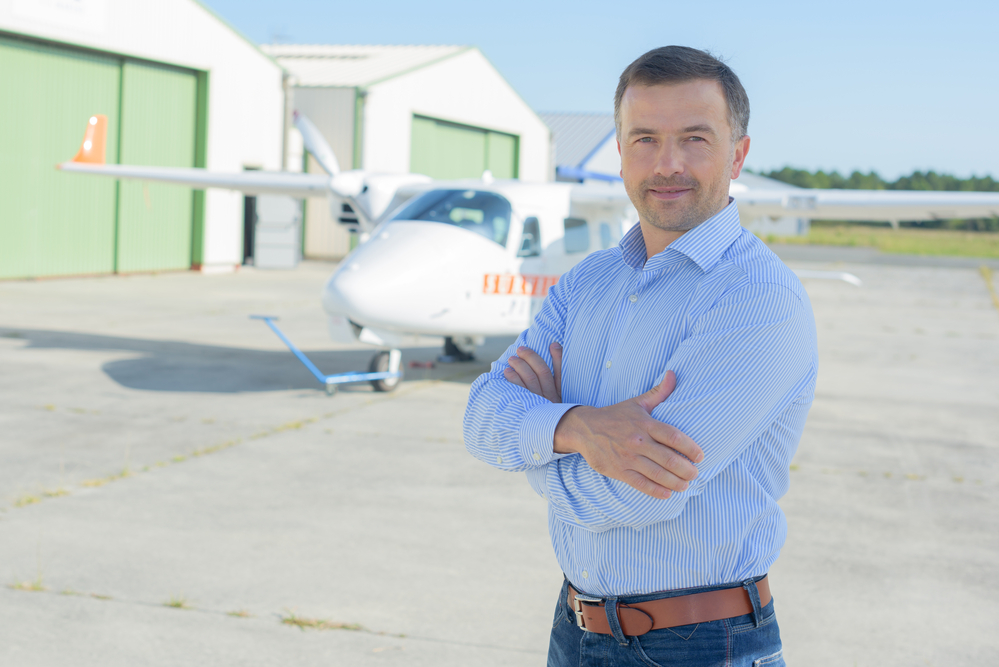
(517, 285)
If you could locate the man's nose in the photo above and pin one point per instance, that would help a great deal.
(669, 161)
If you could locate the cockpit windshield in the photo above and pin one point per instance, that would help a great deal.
(485, 213)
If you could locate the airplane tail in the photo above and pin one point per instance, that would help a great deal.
(94, 141)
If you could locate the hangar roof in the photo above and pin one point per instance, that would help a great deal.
(576, 135)
(336, 65)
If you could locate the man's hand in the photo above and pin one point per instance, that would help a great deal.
(624, 442)
(621, 441)
(529, 370)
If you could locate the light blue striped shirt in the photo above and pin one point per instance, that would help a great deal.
(719, 309)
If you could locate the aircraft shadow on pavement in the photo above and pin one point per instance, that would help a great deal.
(191, 367)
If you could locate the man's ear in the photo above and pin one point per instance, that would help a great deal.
(739, 156)
(621, 172)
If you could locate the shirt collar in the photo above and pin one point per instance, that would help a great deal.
(704, 244)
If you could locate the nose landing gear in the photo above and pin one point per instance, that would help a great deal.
(386, 362)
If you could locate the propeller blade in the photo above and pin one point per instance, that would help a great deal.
(316, 144)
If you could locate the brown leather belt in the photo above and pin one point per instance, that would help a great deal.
(638, 618)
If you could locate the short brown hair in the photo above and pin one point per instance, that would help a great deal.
(679, 64)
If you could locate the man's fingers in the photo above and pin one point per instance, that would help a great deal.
(642, 483)
(512, 377)
(523, 369)
(676, 440)
(541, 371)
(659, 474)
(659, 393)
(556, 351)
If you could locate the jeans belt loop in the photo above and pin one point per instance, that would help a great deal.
(754, 599)
(614, 621)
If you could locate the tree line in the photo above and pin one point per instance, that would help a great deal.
(918, 180)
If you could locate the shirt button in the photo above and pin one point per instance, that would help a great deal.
(499, 459)
(608, 364)
(633, 298)
(537, 457)
(586, 574)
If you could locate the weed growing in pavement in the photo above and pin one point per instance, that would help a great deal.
(178, 602)
(304, 623)
(27, 499)
(37, 585)
(239, 613)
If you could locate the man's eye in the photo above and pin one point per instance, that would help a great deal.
(696, 138)
(645, 140)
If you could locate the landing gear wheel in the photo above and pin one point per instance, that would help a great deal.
(380, 364)
(331, 389)
(453, 353)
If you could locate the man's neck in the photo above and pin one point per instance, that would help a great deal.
(657, 240)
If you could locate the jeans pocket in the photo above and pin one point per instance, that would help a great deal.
(775, 660)
(561, 612)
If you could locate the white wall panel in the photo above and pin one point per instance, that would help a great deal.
(465, 89)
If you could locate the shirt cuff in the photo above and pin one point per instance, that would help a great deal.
(537, 433)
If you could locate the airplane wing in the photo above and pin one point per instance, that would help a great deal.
(249, 182)
(90, 160)
(890, 205)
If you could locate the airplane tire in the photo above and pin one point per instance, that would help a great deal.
(380, 364)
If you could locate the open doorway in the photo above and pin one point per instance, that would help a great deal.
(249, 224)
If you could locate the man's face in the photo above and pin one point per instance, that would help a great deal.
(677, 154)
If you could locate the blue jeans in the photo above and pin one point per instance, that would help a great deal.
(752, 640)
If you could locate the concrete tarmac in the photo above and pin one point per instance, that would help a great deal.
(176, 488)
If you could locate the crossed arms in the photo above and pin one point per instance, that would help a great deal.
(633, 463)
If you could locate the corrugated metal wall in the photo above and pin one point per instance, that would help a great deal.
(332, 111)
(446, 150)
(55, 223)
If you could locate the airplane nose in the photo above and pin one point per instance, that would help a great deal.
(410, 274)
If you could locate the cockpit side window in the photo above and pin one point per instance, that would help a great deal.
(530, 240)
(485, 213)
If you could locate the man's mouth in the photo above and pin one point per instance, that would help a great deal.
(667, 194)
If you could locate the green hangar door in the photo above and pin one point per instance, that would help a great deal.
(447, 150)
(55, 223)
(155, 220)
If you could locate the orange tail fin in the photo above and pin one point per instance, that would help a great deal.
(94, 141)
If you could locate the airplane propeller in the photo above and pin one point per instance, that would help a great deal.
(316, 144)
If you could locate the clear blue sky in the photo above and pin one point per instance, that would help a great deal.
(889, 86)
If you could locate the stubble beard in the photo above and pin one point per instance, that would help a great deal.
(676, 216)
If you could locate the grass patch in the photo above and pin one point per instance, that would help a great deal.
(178, 602)
(290, 618)
(936, 242)
(27, 499)
(36, 585)
(98, 596)
(239, 613)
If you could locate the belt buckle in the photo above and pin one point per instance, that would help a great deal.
(577, 606)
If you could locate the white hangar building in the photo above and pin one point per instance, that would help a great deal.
(443, 111)
(179, 87)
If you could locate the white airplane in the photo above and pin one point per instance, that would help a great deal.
(468, 259)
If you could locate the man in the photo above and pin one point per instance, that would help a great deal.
(665, 543)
